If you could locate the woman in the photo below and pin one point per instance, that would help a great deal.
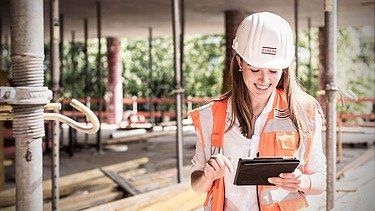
(264, 114)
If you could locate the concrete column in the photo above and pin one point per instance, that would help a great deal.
(233, 19)
(114, 105)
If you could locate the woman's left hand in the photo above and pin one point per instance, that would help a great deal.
(292, 182)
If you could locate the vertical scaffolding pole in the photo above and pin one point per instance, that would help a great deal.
(99, 76)
(1, 45)
(6, 48)
(310, 56)
(55, 71)
(28, 124)
(330, 49)
(86, 71)
(2, 169)
(61, 54)
(178, 83)
(296, 30)
(73, 54)
(151, 83)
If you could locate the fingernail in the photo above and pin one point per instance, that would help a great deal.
(270, 180)
(281, 175)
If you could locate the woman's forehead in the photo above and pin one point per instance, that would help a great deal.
(258, 68)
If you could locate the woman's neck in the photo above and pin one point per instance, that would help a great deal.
(258, 105)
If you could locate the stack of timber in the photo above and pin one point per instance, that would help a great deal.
(112, 183)
(174, 197)
(84, 189)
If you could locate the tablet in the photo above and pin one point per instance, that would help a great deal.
(256, 171)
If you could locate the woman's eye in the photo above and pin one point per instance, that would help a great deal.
(273, 71)
(254, 70)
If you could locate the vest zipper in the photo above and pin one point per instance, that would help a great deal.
(258, 190)
(258, 198)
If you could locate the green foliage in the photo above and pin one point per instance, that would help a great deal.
(309, 81)
(204, 64)
(355, 66)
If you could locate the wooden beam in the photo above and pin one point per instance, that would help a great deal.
(184, 200)
(86, 200)
(3, 82)
(140, 137)
(70, 182)
(120, 181)
(2, 168)
(369, 154)
(138, 201)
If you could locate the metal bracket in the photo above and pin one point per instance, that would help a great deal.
(177, 91)
(331, 87)
(6, 114)
(91, 128)
(25, 95)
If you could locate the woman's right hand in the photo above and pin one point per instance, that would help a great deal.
(217, 166)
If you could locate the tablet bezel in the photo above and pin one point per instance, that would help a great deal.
(257, 171)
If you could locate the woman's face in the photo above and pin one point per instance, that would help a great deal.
(260, 82)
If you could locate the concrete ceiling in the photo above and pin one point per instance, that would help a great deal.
(133, 17)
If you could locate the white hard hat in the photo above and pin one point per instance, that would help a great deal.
(265, 40)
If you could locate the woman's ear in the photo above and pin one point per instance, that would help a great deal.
(239, 61)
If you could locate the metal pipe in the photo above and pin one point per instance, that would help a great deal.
(310, 56)
(28, 124)
(72, 132)
(86, 70)
(56, 165)
(1, 45)
(178, 84)
(182, 16)
(55, 71)
(296, 31)
(330, 61)
(61, 48)
(151, 84)
(98, 71)
(61, 53)
(7, 56)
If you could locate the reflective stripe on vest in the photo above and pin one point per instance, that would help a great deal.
(279, 138)
(216, 195)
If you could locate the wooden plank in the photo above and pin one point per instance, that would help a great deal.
(140, 137)
(3, 82)
(138, 201)
(369, 154)
(120, 181)
(2, 168)
(88, 199)
(185, 200)
(69, 182)
(157, 179)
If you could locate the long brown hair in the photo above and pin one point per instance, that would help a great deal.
(242, 105)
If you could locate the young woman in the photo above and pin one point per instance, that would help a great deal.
(265, 114)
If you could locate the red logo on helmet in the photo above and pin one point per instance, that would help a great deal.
(269, 50)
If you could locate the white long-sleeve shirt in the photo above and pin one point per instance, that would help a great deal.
(238, 146)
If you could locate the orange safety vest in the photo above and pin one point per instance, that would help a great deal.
(278, 138)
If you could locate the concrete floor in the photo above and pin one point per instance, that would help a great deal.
(161, 151)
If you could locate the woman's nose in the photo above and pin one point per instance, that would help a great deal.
(264, 77)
